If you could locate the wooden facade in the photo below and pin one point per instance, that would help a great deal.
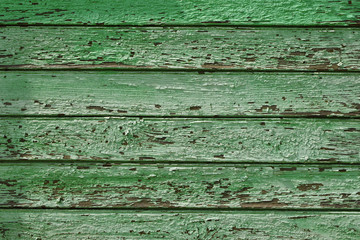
(192, 119)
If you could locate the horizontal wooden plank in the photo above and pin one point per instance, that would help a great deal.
(190, 12)
(82, 224)
(190, 140)
(89, 185)
(180, 47)
(178, 93)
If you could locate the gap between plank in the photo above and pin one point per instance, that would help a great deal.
(355, 25)
(192, 210)
(185, 163)
(142, 69)
(189, 117)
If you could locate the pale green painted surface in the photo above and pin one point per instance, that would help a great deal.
(206, 225)
(79, 93)
(196, 165)
(88, 185)
(181, 140)
(187, 12)
(180, 48)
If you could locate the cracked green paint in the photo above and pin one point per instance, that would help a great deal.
(80, 93)
(170, 140)
(311, 49)
(189, 12)
(87, 224)
(90, 185)
(252, 37)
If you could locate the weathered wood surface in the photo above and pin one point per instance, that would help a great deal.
(79, 93)
(168, 175)
(190, 12)
(88, 185)
(180, 48)
(85, 224)
(186, 140)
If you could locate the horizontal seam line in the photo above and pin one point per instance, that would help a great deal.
(275, 117)
(184, 163)
(194, 209)
(177, 69)
(209, 25)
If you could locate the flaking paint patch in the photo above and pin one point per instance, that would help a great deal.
(21, 224)
(84, 185)
(166, 93)
(181, 48)
(171, 140)
(195, 12)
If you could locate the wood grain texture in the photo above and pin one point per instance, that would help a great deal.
(89, 185)
(85, 224)
(143, 173)
(190, 12)
(79, 93)
(180, 48)
(185, 140)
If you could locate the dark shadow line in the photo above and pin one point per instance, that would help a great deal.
(187, 25)
(157, 69)
(178, 70)
(187, 117)
(109, 163)
(190, 209)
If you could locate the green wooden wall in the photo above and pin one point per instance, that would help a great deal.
(192, 119)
